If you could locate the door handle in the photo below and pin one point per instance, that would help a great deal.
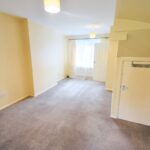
(124, 88)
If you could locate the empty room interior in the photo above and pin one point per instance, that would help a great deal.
(74, 75)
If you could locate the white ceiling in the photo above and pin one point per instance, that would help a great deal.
(72, 20)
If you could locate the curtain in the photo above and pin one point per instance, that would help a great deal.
(71, 57)
(81, 58)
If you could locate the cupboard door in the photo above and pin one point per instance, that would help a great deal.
(135, 94)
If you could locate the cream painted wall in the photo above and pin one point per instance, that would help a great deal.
(137, 45)
(133, 10)
(129, 25)
(15, 73)
(138, 34)
(48, 56)
(111, 65)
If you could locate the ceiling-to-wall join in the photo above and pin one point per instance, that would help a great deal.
(73, 18)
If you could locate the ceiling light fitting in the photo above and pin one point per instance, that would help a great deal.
(92, 35)
(52, 6)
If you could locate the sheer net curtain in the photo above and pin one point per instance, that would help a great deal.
(81, 58)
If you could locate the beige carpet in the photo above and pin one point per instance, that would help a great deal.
(72, 116)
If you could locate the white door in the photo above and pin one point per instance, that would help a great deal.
(100, 61)
(135, 93)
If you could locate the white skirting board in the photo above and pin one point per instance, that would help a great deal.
(53, 85)
(24, 97)
(14, 102)
(37, 94)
